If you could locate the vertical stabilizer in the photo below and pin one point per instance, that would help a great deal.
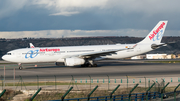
(31, 45)
(156, 34)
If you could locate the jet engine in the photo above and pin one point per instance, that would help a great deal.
(73, 61)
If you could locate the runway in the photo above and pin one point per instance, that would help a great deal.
(112, 68)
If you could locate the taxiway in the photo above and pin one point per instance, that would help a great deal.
(112, 68)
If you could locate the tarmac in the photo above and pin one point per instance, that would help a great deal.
(113, 68)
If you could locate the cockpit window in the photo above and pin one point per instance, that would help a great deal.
(8, 54)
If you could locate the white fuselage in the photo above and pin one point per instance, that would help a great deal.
(57, 54)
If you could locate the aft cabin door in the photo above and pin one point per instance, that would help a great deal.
(138, 49)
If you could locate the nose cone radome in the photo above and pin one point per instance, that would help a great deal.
(7, 58)
(4, 57)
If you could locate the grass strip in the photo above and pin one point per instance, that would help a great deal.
(41, 83)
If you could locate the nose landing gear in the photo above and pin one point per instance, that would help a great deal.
(20, 67)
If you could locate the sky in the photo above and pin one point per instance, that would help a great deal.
(84, 18)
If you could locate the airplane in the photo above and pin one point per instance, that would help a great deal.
(87, 55)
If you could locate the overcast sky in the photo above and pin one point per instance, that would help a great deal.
(83, 18)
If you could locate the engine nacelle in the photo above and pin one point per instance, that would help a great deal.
(73, 61)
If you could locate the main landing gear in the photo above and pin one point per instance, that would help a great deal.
(89, 63)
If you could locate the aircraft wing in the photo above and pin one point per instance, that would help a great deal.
(97, 54)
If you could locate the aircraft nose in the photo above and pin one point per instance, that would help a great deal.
(4, 57)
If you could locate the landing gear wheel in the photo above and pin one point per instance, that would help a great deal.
(20, 67)
(82, 65)
(90, 65)
(94, 65)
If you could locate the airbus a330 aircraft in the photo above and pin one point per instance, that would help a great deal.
(86, 55)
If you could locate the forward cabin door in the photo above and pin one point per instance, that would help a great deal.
(18, 56)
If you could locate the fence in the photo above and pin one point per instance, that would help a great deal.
(125, 97)
(107, 83)
(60, 85)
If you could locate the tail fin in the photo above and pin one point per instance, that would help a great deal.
(31, 45)
(156, 34)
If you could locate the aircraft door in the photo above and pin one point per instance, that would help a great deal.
(138, 49)
(18, 55)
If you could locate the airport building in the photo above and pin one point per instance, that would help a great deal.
(139, 57)
(155, 56)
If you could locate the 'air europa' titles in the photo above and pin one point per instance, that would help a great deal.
(49, 50)
(156, 31)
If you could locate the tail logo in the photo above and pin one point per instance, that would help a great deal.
(155, 32)
(158, 36)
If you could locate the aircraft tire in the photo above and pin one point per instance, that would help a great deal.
(90, 65)
(20, 68)
(94, 65)
(82, 65)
